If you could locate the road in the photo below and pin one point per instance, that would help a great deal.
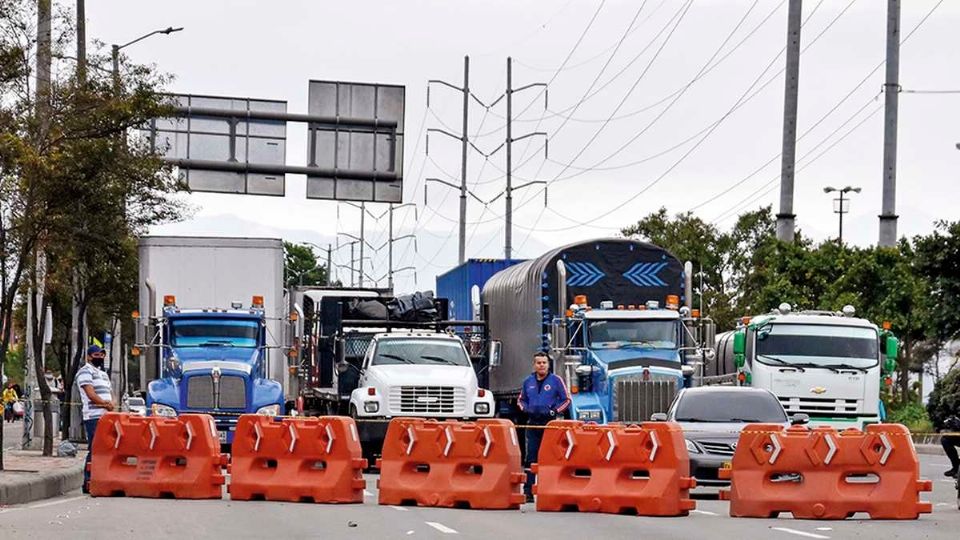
(80, 516)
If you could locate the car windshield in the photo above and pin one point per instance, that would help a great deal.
(420, 351)
(616, 334)
(729, 406)
(818, 345)
(214, 333)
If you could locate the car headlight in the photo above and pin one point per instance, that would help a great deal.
(589, 415)
(162, 410)
(692, 447)
(370, 407)
(481, 408)
(269, 410)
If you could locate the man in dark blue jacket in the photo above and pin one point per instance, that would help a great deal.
(543, 397)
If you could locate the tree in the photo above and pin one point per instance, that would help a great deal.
(75, 188)
(300, 266)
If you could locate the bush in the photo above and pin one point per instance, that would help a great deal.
(945, 398)
(912, 415)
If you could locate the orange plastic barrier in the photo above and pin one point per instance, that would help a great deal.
(614, 468)
(822, 474)
(155, 456)
(451, 464)
(297, 459)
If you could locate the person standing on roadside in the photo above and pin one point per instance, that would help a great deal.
(543, 397)
(9, 398)
(97, 396)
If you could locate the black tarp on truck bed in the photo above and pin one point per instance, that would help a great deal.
(523, 299)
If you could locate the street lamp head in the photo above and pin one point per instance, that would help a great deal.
(829, 189)
(171, 30)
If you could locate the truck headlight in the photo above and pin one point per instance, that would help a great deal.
(589, 415)
(370, 407)
(269, 410)
(162, 410)
(692, 447)
(481, 408)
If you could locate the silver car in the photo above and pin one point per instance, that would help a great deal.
(712, 418)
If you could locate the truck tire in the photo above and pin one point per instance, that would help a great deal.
(369, 448)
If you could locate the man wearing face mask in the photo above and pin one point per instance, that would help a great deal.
(97, 397)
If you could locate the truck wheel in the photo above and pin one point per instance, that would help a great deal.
(369, 448)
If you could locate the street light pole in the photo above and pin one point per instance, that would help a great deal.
(841, 208)
(115, 52)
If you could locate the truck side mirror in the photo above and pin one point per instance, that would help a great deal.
(658, 417)
(495, 354)
(799, 419)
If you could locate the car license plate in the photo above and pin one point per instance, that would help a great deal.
(223, 437)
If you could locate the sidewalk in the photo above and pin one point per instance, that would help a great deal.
(28, 476)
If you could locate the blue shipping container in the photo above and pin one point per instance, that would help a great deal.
(456, 283)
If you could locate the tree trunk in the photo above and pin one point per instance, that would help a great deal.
(70, 370)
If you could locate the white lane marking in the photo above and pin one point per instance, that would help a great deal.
(944, 504)
(824, 528)
(400, 509)
(948, 481)
(409, 533)
(441, 527)
(367, 493)
(801, 533)
(56, 502)
(704, 512)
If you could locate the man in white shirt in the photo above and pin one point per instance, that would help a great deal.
(97, 396)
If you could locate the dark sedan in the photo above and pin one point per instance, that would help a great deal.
(712, 418)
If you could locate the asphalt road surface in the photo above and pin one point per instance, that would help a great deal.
(78, 516)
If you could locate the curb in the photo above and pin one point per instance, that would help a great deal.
(33, 487)
(929, 449)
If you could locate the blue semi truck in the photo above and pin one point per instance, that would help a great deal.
(617, 318)
(215, 343)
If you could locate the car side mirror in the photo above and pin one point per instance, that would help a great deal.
(495, 354)
(658, 417)
(799, 419)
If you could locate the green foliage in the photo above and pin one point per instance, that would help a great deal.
(945, 398)
(13, 366)
(912, 415)
(300, 266)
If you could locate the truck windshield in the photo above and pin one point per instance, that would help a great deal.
(214, 333)
(420, 351)
(616, 334)
(815, 345)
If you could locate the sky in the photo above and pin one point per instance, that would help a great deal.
(656, 103)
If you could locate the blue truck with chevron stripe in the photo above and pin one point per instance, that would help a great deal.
(616, 316)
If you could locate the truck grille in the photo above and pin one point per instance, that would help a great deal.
(200, 392)
(427, 399)
(821, 406)
(201, 395)
(636, 400)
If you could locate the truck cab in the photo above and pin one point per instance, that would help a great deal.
(419, 374)
(613, 351)
(827, 365)
(213, 361)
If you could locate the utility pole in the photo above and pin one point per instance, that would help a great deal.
(352, 267)
(329, 265)
(363, 214)
(786, 217)
(81, 41)
(465, 142)
(508, 233)
(508, 215)
(463, 157)
(891, 92)
(391, 240)
(464, 139)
